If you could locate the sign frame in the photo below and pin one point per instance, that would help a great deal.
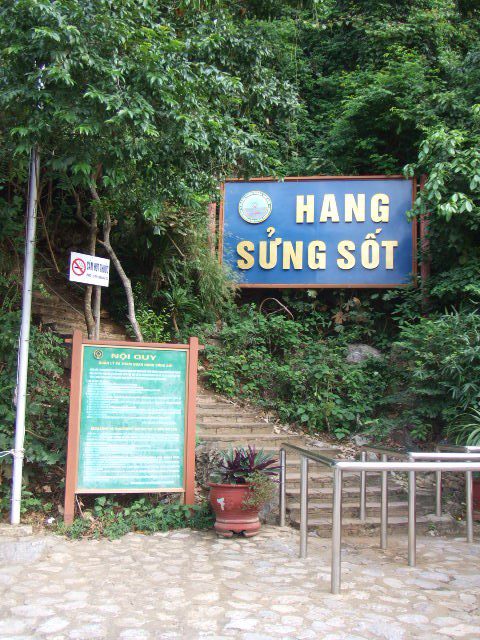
(271, 285)
(73, 446)
(91, 279)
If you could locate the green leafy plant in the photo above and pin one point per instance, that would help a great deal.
(466, 431)
(263, 489)
(110, 519)
(238, 465)
(297, 369)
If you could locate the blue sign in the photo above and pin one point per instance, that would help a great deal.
(319, 232)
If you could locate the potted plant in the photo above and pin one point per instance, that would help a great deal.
(244, 483)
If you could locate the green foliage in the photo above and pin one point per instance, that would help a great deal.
(238, 465)
(466, 431)
(47, 402)
(458, 285)
(441, 360)
(155, 326)
(285, 366)
(262, 491)
(109, 519)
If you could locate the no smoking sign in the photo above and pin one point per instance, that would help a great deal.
(78, 267)
(89, 269)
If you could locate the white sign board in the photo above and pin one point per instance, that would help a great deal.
(89, 269)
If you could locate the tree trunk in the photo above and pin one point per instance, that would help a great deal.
(127, 285)
(87, 298)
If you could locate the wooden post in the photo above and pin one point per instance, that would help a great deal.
(73, 427)
(425, 251)
(191, 421)
(212, 226)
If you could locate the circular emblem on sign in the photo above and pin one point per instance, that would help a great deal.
(255, 207)
(79, 267)
(98, 354)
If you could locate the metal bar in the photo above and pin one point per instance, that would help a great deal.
(336, 532)
(316, 457)
(458, 447)
(282, 496)
(445, 456)
(24, 339)
(469, 505)
(384, 507)
(352, 465)
(412, 518)
(303, 506)
(438, 493)
(363, 489)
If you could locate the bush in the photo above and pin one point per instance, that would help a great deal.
(441, 361)
(109, 519)
(284, 366)
(47, 400)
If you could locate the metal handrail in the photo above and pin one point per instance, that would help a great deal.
(311, 455)
(384, 452)
(339, 467)
(305, 456)
(438, 474)
(458, 447)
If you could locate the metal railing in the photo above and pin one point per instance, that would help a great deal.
(450, 448)
(457, 457)
(415, 465)
(383, 453)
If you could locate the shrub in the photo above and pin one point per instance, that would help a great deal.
(441, 360)
(282, 365)
(111, 520)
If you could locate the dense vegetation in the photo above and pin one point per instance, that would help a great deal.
(140, 109)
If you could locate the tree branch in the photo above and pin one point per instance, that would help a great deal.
(127, 285)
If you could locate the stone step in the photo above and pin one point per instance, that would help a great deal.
(323, 475)
(213, 401)
(66, 331)
(47, 307)
(350, 509)
(235, 418)
(234, 429)
(221, 410)
(349, 492)
(260, 440)
(353, 526)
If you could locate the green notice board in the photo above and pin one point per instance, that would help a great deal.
(132, 419)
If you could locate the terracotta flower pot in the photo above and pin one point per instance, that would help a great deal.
(227, 501)
(476, 498)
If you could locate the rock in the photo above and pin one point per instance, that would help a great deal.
(359, 440)
(360, 352)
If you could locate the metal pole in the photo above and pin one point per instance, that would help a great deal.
(97, 305)
(412, 517)
(469, 501)
(24, 340)
(363, 489)
(336, 531)
(438, 493)
(282, 496)
(384, 507)
(303, 506)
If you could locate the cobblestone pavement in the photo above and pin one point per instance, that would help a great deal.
(188, 584)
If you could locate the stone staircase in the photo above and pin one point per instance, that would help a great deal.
(59, 306)
(222, 424)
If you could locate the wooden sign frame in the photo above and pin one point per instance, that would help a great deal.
(271, 285)
(71, 483)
